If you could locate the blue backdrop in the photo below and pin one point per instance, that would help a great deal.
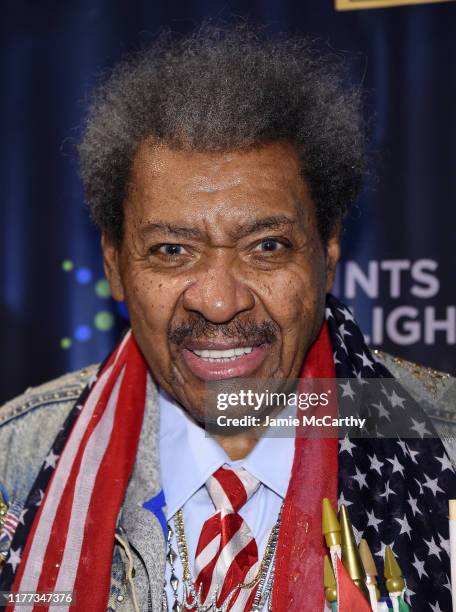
(398, 268)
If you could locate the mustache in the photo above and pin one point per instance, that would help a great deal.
(249, 330)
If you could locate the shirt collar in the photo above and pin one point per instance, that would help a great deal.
(188, 456)
(271, 461)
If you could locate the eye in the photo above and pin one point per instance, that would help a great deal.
(269, 245)
(171, 249)
(169, 254)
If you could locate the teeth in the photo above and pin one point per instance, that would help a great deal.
(226, 355)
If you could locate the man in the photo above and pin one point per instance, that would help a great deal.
(219, 168)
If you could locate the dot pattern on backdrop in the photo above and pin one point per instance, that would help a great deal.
(103, 320)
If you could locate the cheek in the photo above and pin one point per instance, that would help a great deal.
(151, 303)
(294, 299)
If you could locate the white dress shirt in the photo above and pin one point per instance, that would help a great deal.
(188, 456)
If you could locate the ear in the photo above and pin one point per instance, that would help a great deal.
(332, 256)
(111, 255)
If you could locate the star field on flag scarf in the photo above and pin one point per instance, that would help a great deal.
(396, 490)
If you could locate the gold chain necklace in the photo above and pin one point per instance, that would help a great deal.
(265, 570)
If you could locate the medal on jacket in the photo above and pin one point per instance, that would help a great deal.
(10, 514)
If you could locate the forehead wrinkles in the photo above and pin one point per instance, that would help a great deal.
(159, 159)
(215, 186)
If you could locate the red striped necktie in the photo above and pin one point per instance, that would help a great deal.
(227, 553)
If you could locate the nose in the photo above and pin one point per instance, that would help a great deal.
(218, 293)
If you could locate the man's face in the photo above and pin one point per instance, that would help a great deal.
(221, 266)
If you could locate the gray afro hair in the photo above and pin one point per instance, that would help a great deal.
(221, 89)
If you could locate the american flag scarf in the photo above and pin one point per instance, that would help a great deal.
(64, 539)
(396, 490)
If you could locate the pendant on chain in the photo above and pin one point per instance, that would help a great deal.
(191, 598)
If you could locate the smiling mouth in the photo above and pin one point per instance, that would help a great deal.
(214, 356)
(232, 362)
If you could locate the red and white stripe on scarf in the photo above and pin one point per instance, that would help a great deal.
(79, 510)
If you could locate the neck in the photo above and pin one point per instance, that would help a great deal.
(238, 446)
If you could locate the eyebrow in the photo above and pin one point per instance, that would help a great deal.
(267, 223)
(171, 229)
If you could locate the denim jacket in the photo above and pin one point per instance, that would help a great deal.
(29, 425)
